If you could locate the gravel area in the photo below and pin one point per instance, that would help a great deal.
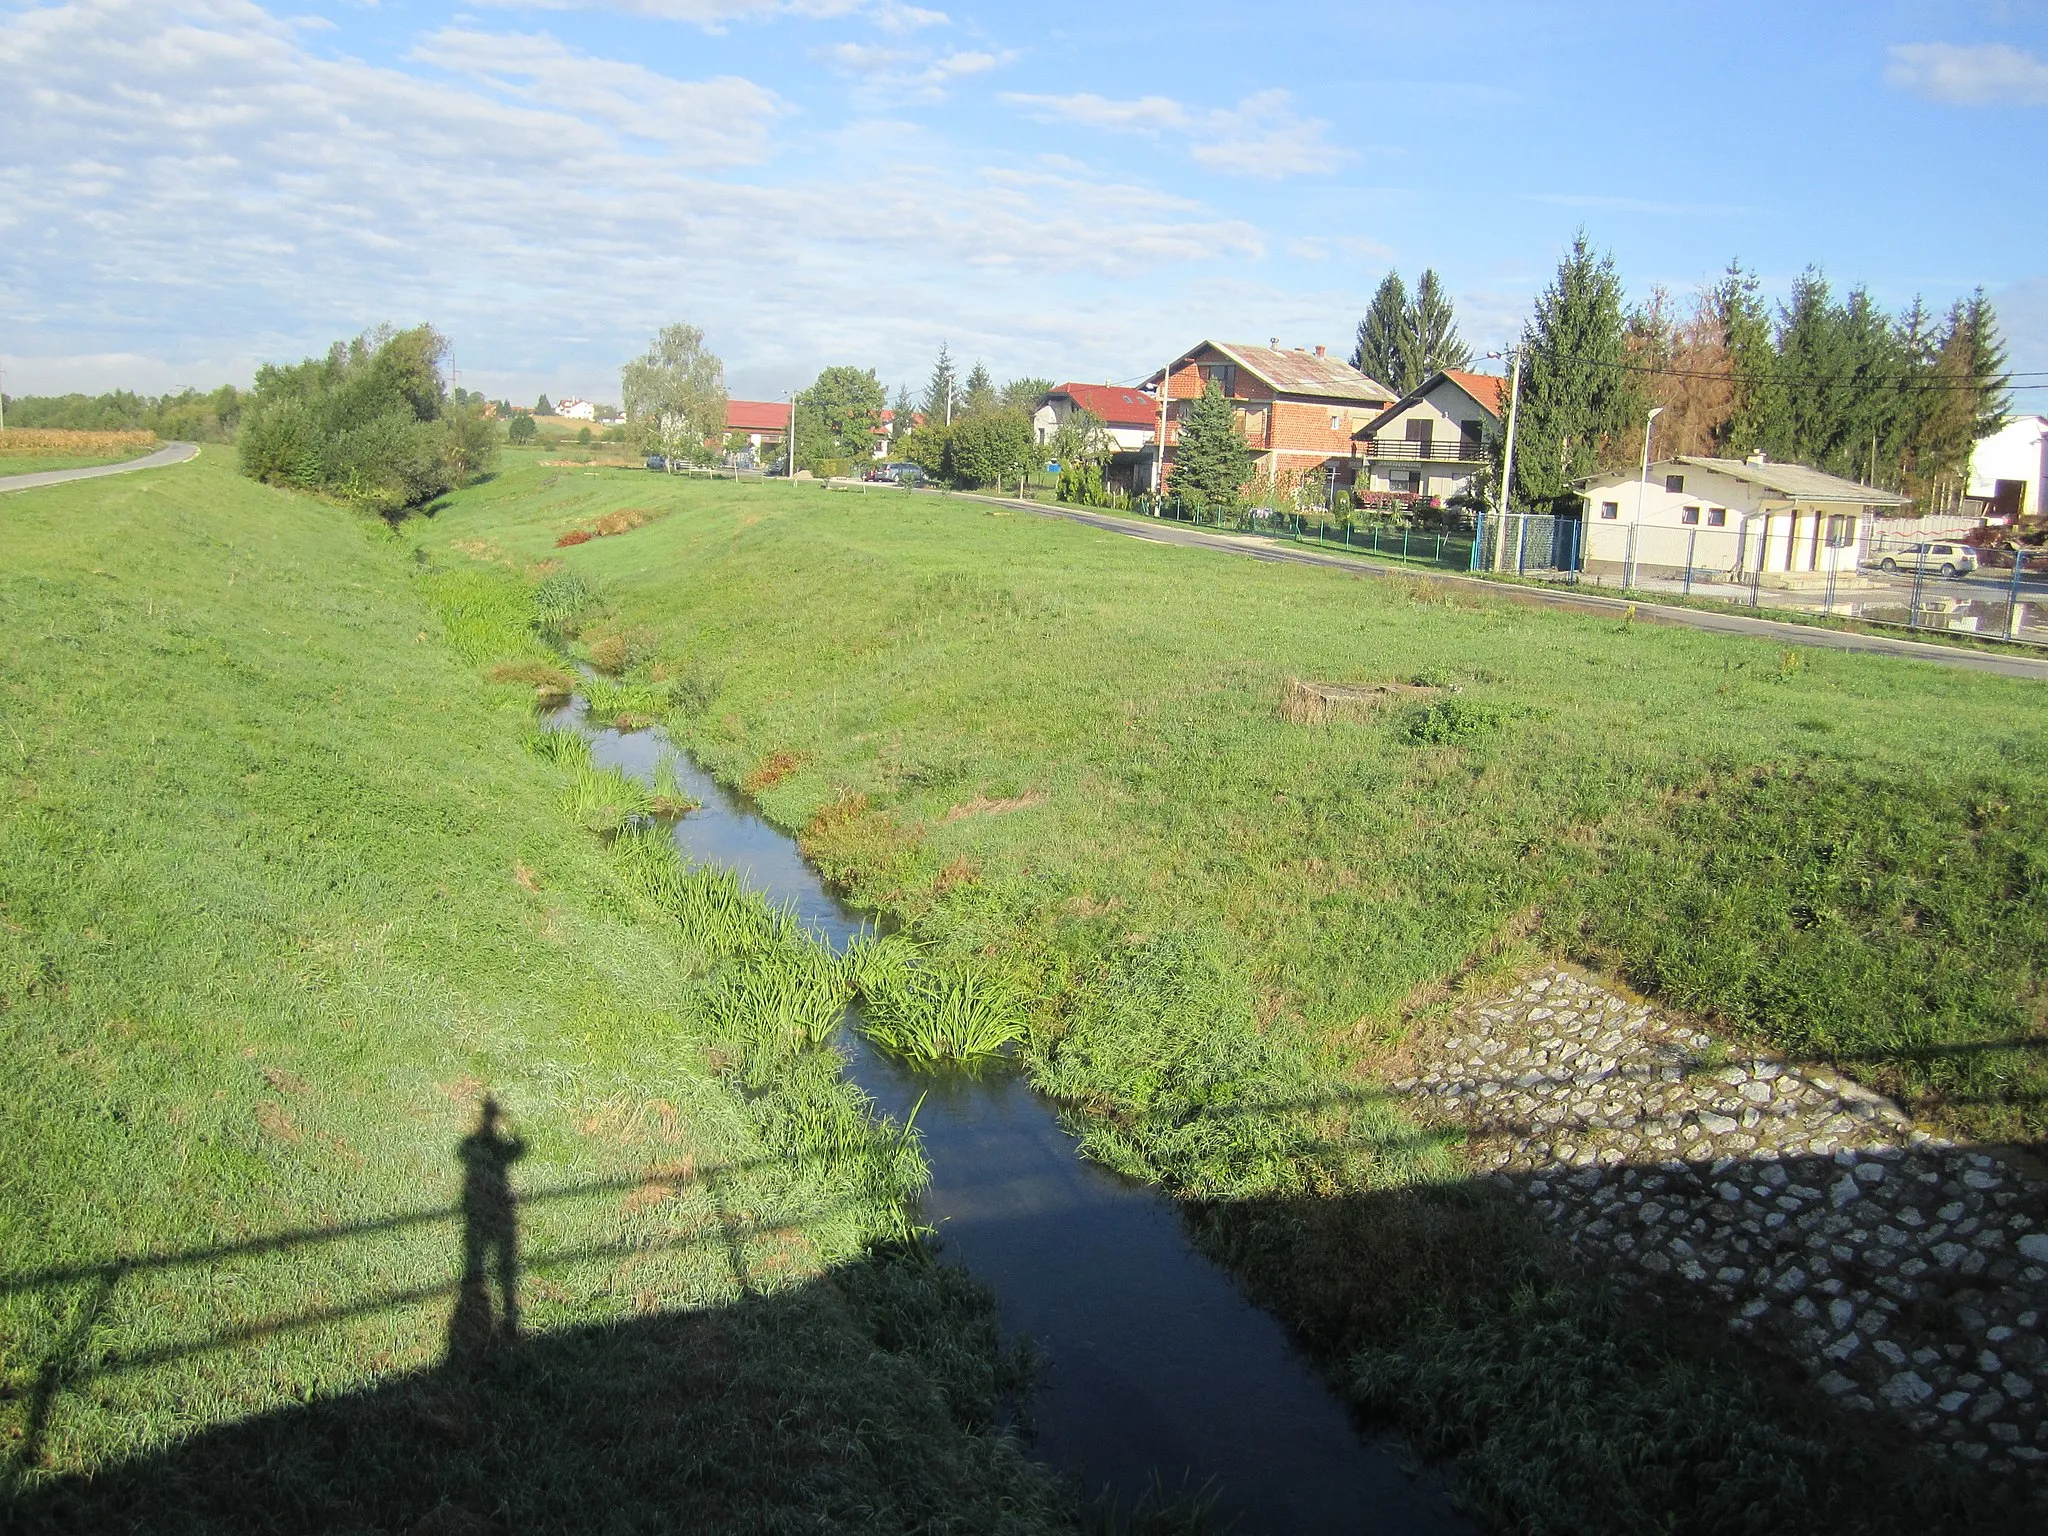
(1908, 1274)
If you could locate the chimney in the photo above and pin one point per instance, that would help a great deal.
(1322, 351)
(1758, 457)
(1274, 343)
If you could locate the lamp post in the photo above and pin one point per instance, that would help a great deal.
(1507, 462)
(1635, 532)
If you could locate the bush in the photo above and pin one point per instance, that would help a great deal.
(522, 430)
(990, 448)
(368, 424)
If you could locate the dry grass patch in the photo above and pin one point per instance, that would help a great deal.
(772, 770)
(1306, 703)
(981, 805)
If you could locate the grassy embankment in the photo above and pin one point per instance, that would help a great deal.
(31, 451)
(1059, 754)
(282, 898)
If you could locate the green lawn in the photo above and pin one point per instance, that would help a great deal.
(283, 897)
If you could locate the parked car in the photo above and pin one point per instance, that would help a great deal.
(656, 461)
(1946, 559)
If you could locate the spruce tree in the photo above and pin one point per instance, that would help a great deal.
(1582, 403)
(942, 394)
(1380, 354)
(1430, 340)
(1756, 416)
(1211, 461)
(980, 393)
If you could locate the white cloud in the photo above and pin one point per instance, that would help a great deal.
(906, 72)
(716, 15)
(1261, 136)
(228, 193)
(1989, 74)
(700, 123)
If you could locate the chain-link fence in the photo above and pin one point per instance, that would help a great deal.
(1811, 564)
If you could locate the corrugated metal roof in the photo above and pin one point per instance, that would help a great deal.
(1795, 482)
(1303, 373)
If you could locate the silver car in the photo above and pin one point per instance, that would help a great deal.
(1944, 559)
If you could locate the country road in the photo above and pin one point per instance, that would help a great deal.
(170, 453)
(1254, 547)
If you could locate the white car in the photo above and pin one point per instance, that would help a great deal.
(1944, 559)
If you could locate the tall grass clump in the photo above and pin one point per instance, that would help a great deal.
(629, 706)
(607, 801)
(561, 601)
(795, 1001)
(565, 749)
(947, 1012)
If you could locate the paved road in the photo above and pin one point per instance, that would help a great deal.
(170, 453)
(1253, 547)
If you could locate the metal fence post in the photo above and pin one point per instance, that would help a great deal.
(1478, 539)
(1522, 546)
(2012, 596)
(1832, 570)
(1692, 543)
(1404, 543)
(1628, 570)
(1919, 580)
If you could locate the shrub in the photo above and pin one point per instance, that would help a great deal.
(1445, 722)
(368, 424)
(522, 430)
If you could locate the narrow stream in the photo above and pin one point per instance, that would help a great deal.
(1158, 1368)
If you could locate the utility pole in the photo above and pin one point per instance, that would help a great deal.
(792, 437)
(1159, 458)
(1507, 462)
(1642, 495)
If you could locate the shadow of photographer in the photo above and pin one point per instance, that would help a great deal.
(486, 1314)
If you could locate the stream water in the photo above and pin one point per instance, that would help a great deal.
(1157, 1367)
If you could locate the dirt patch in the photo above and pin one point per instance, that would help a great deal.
(1306, 703)
(772, 770)
(981, 805)
(275, 1122)
(962, 871)
(285, 1082)
(526, 878)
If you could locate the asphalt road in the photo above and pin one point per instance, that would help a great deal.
(1255, 548)
(170, 453)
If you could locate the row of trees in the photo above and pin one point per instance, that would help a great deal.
(1403, 340)
(1893, 400)
(187, 416)
(370, 424)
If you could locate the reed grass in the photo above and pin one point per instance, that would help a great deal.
(953, 1011)
(606, 801)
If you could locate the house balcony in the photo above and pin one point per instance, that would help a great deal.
(1402, 450)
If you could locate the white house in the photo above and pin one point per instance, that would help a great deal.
(1130, 415)
(2009, 469)
(576, 410)
(1783, 525)
(1432, 441)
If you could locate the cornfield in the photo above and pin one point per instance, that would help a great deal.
(43, 442)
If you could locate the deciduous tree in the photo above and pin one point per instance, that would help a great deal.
(839, 416)
(675, 395)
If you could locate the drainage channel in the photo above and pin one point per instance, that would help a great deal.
(1158, 1369)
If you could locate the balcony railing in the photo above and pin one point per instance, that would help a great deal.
(1452, 450)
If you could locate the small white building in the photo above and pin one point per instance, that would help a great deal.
(2009, 469)
(576, 410)
(1783, 525)
(1431, 442)
(1130, 415)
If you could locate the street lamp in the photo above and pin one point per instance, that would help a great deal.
(1635, 532)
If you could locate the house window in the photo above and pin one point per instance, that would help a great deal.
(1610, 510)
(1717, 517)
(1222, 375)
(1336, 422)
(1675, 484)
(1471, 436)
(1691, 516)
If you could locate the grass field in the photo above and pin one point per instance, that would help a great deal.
(283, 901)
(1060, 756)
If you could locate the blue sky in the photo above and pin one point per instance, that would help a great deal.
(193, 186)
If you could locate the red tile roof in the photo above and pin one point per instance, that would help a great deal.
(756, 415)
(1489, 389)
(1117, 407)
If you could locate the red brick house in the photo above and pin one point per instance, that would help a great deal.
(1299, 410)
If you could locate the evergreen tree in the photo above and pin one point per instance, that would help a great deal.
(979, 395)
(905, 416)
(541, 407)
(1756, 413)
(1379, 354)
(1211, 461)
(1582, 401)
(1964, 396)
(942, 394)
(1430, 340)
